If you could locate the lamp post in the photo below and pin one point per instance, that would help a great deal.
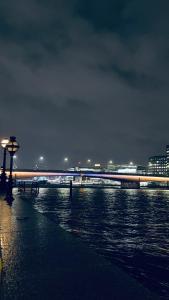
(4, 142)
(39, 163)
(66, 161)
(89, 162)
(12, 147)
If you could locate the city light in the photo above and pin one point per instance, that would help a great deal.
(39, 162)
(89, 161)
(66, 159)
(97, 165)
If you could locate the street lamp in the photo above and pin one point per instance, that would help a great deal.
(4, 142)
(12, 147)
(66, 162)
(39, 162)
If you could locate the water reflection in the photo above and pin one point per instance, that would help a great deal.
(129, 227)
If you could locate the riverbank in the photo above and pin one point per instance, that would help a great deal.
(42, 261)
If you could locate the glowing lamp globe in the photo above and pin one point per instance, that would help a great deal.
(12, 145)
(4, 142)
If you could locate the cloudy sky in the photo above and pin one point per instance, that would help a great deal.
(85, 79)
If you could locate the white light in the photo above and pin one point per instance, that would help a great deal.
(15, 157)
(110, 162)
(131, 163)
(66, 159)
(89, 160)
(41, 158)
(4, 142)
(127, 170)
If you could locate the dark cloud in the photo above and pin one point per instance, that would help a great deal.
(132, 77)
(85, 78)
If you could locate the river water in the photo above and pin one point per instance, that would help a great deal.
(128, 227)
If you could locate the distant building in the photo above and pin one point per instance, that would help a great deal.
(110, 166)
(141, 170)
(98, 167)
(127, 169)
(167, 158)
(157, 165)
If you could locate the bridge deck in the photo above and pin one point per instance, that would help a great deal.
(19, 174)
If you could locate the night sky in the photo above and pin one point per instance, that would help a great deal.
(85, 79)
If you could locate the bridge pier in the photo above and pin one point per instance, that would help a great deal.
(130, 184)
(71, 185)
(35, 188)
(21, 187)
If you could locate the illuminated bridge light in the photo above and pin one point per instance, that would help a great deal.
(115, 176)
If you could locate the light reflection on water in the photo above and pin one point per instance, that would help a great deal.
(129, 227)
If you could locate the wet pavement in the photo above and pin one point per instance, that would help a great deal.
(39, 260)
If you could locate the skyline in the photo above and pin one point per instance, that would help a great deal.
(67, 162)
(85, 79)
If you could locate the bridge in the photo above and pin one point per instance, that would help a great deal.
(127, 180)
